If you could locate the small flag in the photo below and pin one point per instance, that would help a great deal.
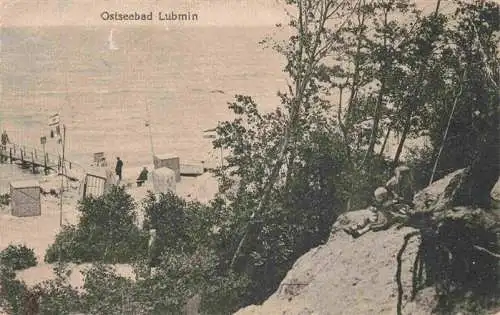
(54, 120)
(209, 136)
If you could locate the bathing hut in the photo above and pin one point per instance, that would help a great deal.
(25, 198)
(96, 182)
(170, 161)
(163, 180)
(93, 185)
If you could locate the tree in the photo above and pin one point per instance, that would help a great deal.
(106, 231)
(473, 133)
(284, 202)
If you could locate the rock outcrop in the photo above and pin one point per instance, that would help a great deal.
(346, 276)
(357, 276)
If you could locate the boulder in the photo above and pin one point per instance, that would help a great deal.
(163, 180)
(347, 276)
(439, 195)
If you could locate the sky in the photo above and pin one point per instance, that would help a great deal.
(210, 12)
(87, 12)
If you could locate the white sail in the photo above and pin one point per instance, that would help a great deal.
(111, 43)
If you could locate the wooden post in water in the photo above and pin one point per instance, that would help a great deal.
(45, 158)
(43, 140)
(10, 155)
(33, 166)
(22, 157)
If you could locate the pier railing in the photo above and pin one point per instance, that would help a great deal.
(36, 158)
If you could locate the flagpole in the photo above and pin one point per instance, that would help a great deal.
(62, 177)
(150, 132)
(63, 168)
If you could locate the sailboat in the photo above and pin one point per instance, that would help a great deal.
(111, 43)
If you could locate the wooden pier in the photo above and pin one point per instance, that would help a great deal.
(33, 159)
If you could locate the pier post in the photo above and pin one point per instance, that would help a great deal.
(43, 140)
(85, 187)
(33, 167)
(45, 158)
(10, 155)
(22, 156)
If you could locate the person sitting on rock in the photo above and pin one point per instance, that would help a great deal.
(387, 210)
(143, 176)
(383, 200)
(401, 185)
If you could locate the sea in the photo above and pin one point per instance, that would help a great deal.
(131, 91)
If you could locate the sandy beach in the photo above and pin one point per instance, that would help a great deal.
(38, 232)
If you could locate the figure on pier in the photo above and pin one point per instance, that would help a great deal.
(103, 162)
(5, 141)
(118, 168)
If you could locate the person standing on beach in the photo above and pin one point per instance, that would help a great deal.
(118, 168)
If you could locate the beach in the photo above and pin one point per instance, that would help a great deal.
(39, 232)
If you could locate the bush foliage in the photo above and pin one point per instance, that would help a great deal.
(5, 199)
(106, 232)
(18, 257)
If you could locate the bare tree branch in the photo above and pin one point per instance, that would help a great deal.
(445, 134)
(486, 251)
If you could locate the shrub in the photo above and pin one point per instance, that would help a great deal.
(180, 226)
(180, 276)
(5, 199)
(106, 232)
(225, 294)
(18, 257)
(58, 297)
(66, 247)
(12, 291)
(106, 292)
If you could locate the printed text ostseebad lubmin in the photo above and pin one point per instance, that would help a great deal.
(160, 16)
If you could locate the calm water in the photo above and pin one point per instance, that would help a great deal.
(185, 76)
